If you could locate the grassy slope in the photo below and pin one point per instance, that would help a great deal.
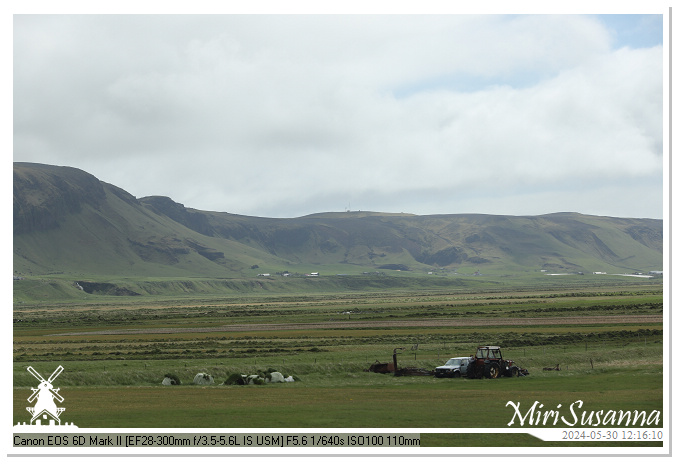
(97, 240)
(104, 234)
(566, 241)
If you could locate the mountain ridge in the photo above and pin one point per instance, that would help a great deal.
(66, 220)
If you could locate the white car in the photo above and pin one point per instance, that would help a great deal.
(454, 367)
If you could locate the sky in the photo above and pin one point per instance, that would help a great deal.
(288, 115)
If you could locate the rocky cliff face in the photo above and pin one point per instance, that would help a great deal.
(177, 212)
(44, 194)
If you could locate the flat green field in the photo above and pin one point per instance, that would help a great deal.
(606, 341)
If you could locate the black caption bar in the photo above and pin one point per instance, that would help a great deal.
(127, 440)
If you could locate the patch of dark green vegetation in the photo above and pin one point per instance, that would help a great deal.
(247, 347)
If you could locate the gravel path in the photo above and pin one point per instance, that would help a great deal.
(452, 322)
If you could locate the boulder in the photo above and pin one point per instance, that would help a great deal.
(203, 379)
(277, 377)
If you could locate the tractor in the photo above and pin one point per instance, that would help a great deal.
(489, 363)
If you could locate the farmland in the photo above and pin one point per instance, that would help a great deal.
(606, 339)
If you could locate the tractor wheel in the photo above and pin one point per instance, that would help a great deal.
(477, 371)
(513, 371)
(492, 370)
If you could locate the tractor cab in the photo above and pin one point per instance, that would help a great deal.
(489, 352)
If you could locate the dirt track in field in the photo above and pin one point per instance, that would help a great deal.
(455, 322)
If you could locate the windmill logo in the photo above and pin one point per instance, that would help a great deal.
(45, 408)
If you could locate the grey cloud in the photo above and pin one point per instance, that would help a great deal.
(289, 115)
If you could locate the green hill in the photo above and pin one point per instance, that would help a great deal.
(68, 222)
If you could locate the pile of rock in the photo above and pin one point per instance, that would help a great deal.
(234, 379)
(257, 379)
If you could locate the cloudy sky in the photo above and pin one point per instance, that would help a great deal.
(282, 116)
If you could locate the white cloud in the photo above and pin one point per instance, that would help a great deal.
(283, 116)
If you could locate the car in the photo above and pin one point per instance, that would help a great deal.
(454, 367)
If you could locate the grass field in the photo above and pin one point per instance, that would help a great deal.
(606, 339)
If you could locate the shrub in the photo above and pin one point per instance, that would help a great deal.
(234, 379)
(258, 381)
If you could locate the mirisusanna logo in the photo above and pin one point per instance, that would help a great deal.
(575, 417)
(45, 413)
